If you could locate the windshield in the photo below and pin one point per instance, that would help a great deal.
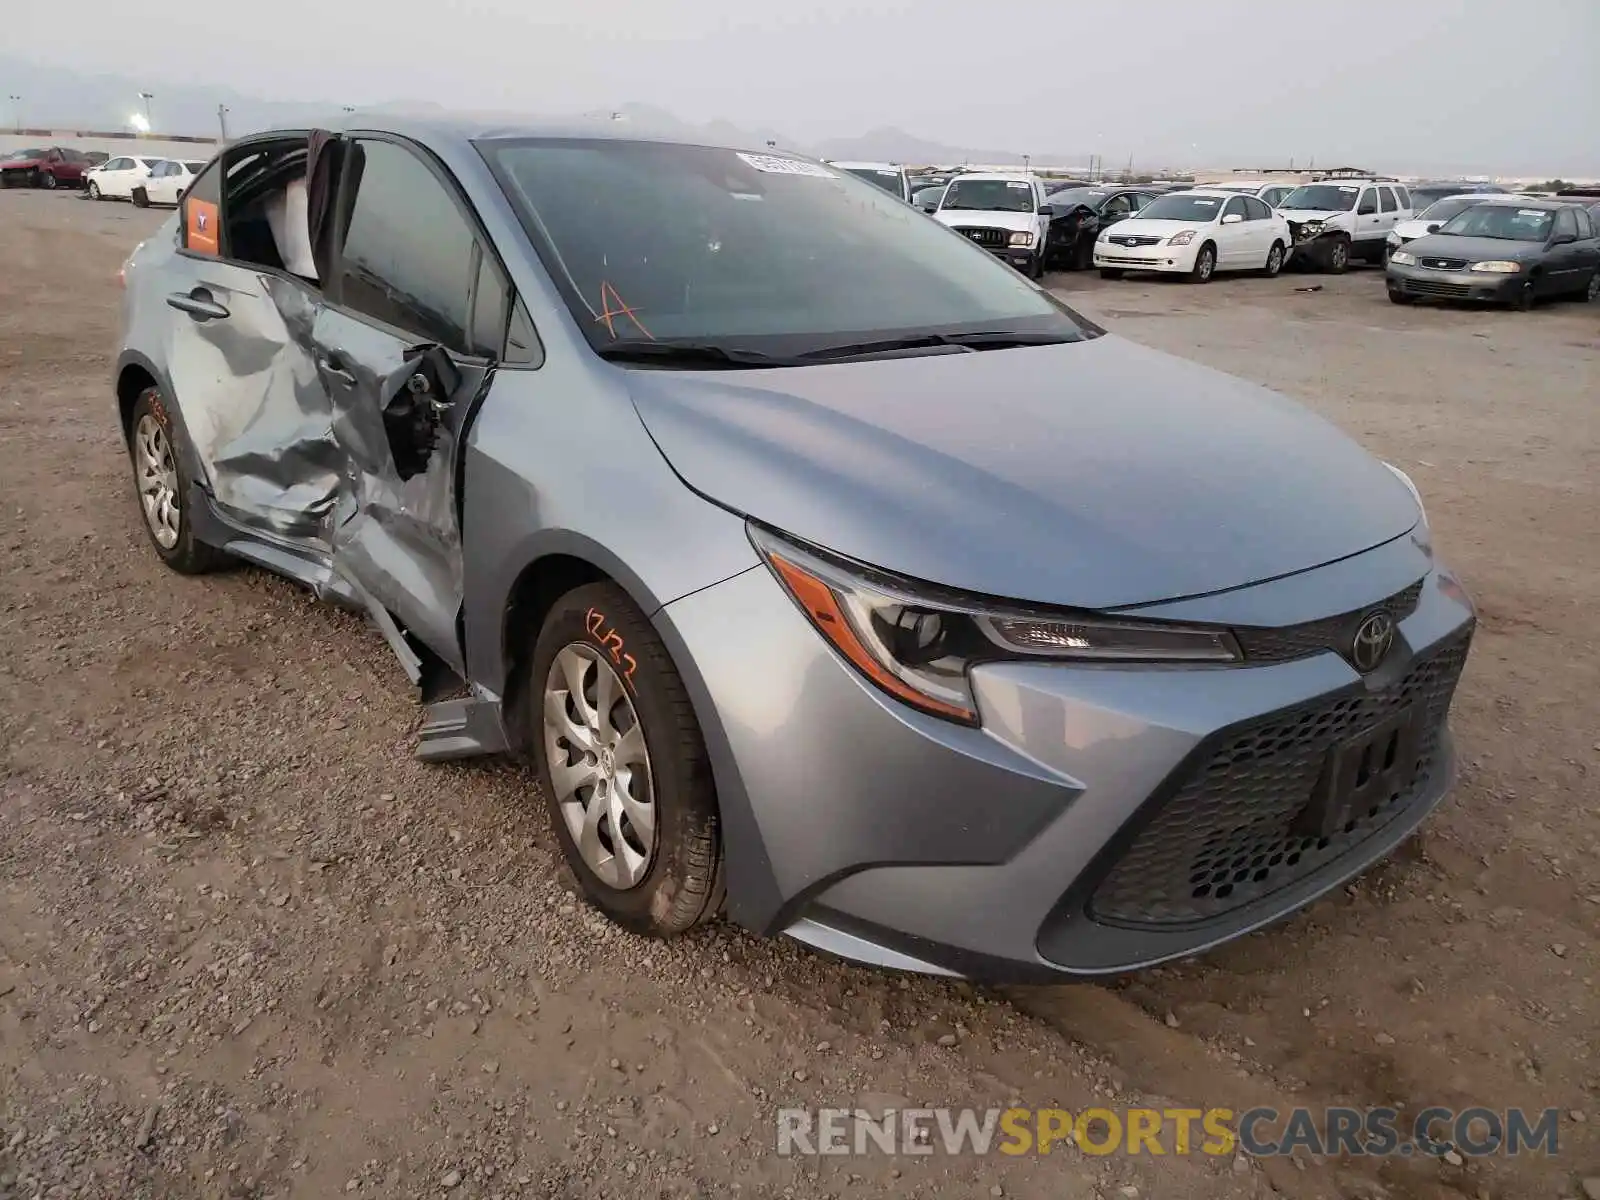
(194, 168)
(1200, 209)
(755, 250)
(1443, 210)
(885, 177)
(1502, 221)
(1338, 197)
(989, 195)
(1089, 197)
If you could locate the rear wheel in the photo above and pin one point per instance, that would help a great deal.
(48, 181)
(1591, 293)
(1205, 264)
(623, 765)
(160, 476)
(1274, 260)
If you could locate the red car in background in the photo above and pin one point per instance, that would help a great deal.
(46, 167)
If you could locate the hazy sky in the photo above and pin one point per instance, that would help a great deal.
(1469, 80)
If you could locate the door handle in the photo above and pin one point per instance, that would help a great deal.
(198, 304)
(333, 364)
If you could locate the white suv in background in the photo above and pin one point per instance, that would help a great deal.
(1004, 212)
(1337, 220)
(116, 178)
(1261, 189)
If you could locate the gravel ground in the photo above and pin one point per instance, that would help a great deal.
(250, 947)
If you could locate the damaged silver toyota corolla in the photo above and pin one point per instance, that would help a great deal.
(831, 572)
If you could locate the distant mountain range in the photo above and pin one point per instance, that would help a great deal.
(62, 98)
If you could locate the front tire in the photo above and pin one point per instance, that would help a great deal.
(1339, 256)
(140, 198)
(48, 181)
(94, 191)
(1205, 264)
(163, 487)
(1398, 297)
(623, 766)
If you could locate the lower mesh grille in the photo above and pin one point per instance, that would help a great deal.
(1231, 833)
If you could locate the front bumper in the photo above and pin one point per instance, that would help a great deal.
(1427, 284)
(1067, 835)
(1160, 257)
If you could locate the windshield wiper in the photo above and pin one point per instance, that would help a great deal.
(983, 340)
(687, 354)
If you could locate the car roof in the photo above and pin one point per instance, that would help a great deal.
(1007, 176)
(1203, 191)
(866, 166)
(1538, 202)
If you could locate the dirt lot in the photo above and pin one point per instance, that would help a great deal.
(250, 947)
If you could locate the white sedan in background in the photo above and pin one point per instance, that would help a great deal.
(167, 181)
(1196, 233)
(116, 178)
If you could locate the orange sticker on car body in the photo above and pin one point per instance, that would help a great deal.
(201, 232)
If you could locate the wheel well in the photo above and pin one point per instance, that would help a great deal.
(131, 384)
(541, 583)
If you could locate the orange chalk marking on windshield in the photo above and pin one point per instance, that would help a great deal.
(614, 306)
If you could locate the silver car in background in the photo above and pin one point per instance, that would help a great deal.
(834, 576)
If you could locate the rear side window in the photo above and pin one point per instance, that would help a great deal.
(201, 223)
(1567, 222)
(1585, 225)
(1256, 209)
(1403, 195)
(409, 256)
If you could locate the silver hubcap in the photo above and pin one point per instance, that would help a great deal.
(599, 766)
(1274, 258)
(1205, 264)
(1338, 254)
(1594, 286)
(158, 480)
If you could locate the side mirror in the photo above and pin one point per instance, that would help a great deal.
(1434, 227)
(1232, 219)
(1047, 210)
(1563, 239)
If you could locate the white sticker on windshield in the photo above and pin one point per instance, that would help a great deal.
(1530, 212)
(1023, 186)
(1203, 202)
(772, 164)
(1344, 187)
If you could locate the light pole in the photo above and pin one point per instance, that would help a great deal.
(147, 97)
(16, 109)
(222, 122)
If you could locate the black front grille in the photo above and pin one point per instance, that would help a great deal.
(1261, 644)
(1230, 834)
(1438, 287)
(1443, 264)
(984, 237)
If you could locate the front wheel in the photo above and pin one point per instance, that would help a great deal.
(94, 191)
(159, 475)
(1274, 261)
(140, 198)
(1205, 264)
(1398, 297)
(623, 766)
(1523, 301)
(1339, 256)
(1036, 266)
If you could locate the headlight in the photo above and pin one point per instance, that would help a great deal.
(1020, 239)
(1403, 258)
(1311, 229)
(1497, 267)
(918, 644)
(1181, 239)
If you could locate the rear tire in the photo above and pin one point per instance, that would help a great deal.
(634, 726)
(1274, 261)
(48, 181)
(1591, 292)
(1110, 272)
(155, 450)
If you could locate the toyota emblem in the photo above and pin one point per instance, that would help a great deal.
(1373, 638)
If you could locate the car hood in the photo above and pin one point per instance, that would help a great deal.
(1096, 474)
(20, 162)
(1302, 215)
(985, 219)
(1152, 227)
(1474, 249)
(1414, 229)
